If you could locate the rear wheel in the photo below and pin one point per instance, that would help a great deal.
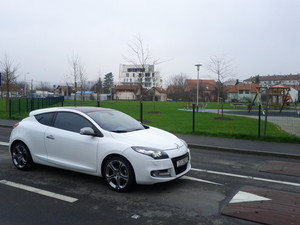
(21, 156)
(119, 174)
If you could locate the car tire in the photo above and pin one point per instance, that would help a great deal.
(21, 156)
(119, 174)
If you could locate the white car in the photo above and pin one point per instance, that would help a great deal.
(99, 141)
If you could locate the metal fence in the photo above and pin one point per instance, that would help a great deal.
(25, 105)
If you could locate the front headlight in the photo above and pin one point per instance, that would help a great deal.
(154, 153)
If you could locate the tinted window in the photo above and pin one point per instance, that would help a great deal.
(45, 118)
(71, 122)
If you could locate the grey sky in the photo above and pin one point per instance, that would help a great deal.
(261, 36)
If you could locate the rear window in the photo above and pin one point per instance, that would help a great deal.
(45, 118)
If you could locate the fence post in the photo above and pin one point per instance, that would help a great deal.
(193, 121)
(27, 105)
(31, 104)
(19, 106)
(259, 119)
(266, 112)
(9, 108)
(141, 112)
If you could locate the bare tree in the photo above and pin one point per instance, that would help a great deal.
(224, 70)
(44, 86)
(177, 86)
(74, 62)
(9, 76)
(140, 56)
(21, 85)
(82, 79)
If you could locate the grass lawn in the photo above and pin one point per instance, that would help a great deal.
(166, 115)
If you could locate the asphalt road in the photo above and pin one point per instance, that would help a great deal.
(4, 134)
(197, 198)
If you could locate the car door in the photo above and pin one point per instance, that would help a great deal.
(66, 147)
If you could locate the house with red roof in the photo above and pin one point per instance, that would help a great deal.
(241, 92)
(127, 92)
(207, 90)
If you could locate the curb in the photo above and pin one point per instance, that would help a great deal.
(243, 151)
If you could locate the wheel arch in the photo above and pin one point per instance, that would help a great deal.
(16, 142)
(114, 155)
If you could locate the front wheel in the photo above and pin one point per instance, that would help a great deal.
(119, 174)
(21, 156)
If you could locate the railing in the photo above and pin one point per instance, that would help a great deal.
(24, 105)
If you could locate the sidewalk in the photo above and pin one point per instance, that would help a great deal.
(282, 150)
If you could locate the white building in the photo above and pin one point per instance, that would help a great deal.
(271, 80)
(132, 75)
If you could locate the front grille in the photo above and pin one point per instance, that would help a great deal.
(180, 169)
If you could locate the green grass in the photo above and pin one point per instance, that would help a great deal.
(165, 115)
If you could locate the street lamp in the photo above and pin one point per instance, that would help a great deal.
(198, 68)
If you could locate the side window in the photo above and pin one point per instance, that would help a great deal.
(71, 122)
(45, 118)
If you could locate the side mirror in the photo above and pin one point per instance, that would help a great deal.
(87, 131)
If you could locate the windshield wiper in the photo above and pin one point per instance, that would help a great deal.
(125, 131)
(119, 131)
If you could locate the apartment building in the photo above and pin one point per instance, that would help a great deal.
(135, 75)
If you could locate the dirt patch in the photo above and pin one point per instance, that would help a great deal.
(222, 118)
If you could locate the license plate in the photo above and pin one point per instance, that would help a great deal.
(182, 162)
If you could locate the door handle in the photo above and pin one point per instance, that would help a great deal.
(50, 137)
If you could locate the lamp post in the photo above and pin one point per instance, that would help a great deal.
(198, 68)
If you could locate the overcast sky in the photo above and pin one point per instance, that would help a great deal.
(259, 36)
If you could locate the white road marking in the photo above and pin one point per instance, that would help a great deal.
(39, 191)
(243, 196)
(199, 180)
(247, 177)
(4, 143)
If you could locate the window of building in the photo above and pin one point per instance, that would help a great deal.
(136, 70)
(241, 91)
(127, 74)
(247, 92)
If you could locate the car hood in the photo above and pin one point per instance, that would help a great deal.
(151, 137)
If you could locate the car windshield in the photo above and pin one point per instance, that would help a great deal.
(115, 121)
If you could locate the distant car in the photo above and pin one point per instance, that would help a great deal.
(99, 141)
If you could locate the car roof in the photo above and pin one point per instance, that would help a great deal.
(69, 109)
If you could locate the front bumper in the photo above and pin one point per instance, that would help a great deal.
(150, 171)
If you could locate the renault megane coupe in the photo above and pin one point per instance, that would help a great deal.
(99, 141)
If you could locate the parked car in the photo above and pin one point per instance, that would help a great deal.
(99, 141)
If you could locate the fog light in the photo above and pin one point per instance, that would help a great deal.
(161, 173)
